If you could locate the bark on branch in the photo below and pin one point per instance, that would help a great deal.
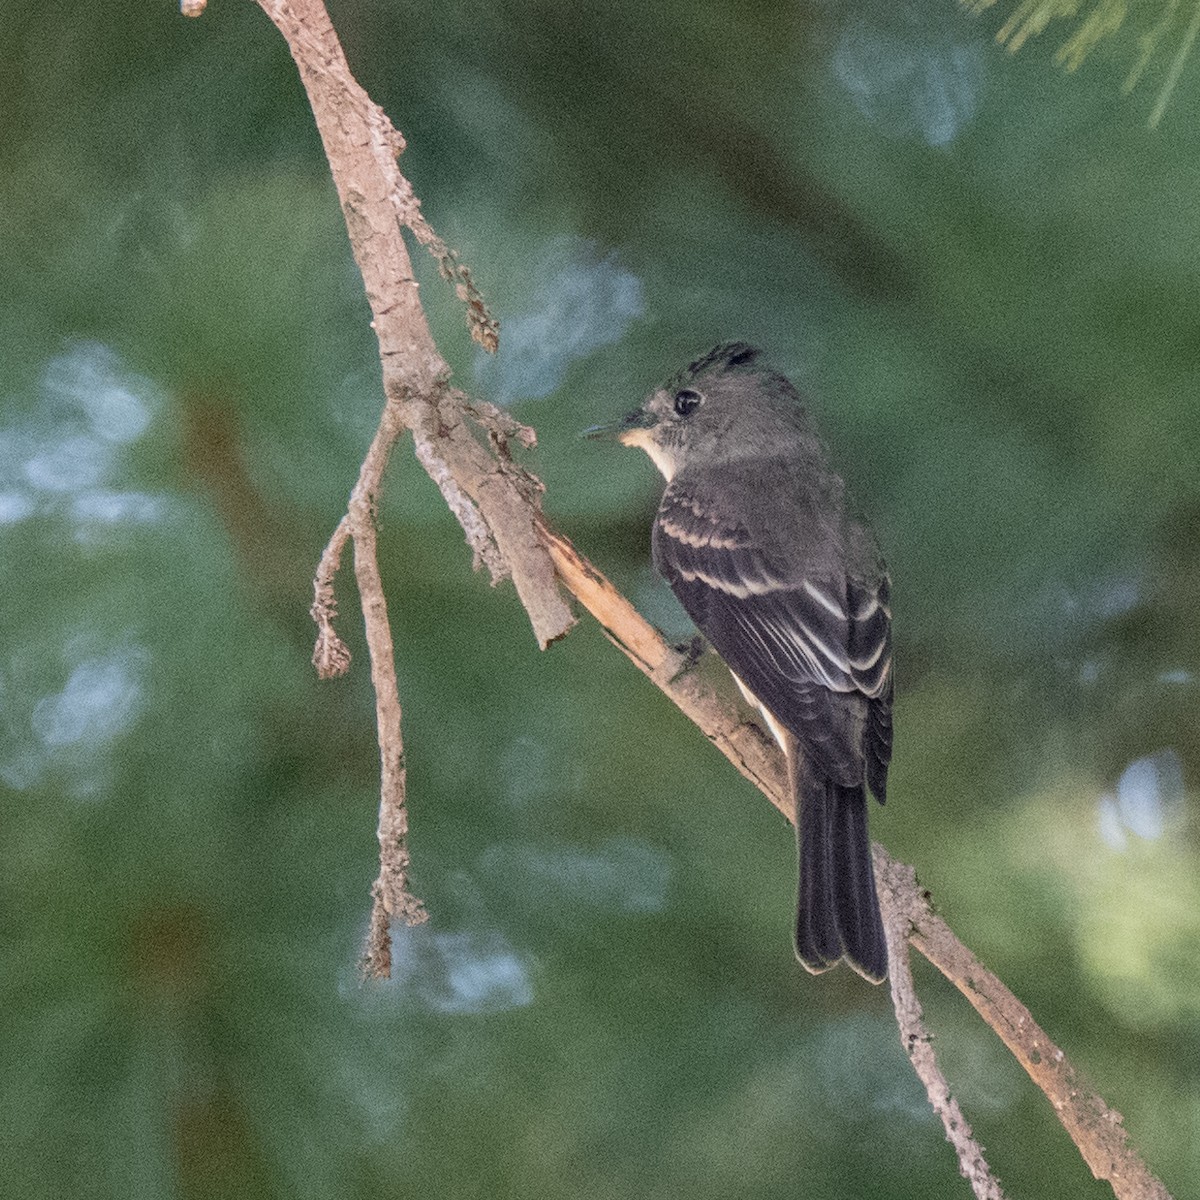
(463, 448)
(1095, 1128)
(493, 499)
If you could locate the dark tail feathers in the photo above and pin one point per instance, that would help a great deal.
(838, 912)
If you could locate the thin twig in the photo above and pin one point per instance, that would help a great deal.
(331, 656)
(916, 1038)
(390, 894)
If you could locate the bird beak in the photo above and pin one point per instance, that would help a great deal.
(620, 429)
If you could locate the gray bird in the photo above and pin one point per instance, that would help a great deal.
(754, 539)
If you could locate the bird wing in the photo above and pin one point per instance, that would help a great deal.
(812, 642)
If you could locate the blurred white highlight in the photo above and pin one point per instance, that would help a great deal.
(463, 972)
(622, 875)
(75, 729)
(62, 457)
(583, 302)
(908, 79)
(101, 699)
(118, 404)
(1148, 801)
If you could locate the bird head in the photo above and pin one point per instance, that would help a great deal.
(725, 405)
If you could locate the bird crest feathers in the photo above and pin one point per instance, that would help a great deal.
(727, 355)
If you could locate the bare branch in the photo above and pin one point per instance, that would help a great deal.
(392, 899)
(478, 536)
(362, 146)
(489, 498)
(1095, 1129)
(916, 1038)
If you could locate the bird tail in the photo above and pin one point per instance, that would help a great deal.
(838, 912)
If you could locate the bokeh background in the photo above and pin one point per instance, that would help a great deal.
(987, 276)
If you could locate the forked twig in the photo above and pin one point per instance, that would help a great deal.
(490, 497)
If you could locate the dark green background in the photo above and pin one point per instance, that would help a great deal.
(987, 275)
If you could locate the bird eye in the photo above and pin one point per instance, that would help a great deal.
(687, 401)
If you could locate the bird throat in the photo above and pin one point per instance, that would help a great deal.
(643, 439)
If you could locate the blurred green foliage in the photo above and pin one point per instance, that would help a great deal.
(1158, 28)
(985, 275)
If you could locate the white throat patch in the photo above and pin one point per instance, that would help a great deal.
(642, 438)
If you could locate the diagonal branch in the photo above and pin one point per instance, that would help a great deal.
(1095, 1129)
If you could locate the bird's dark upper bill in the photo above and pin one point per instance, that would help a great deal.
(638, 419)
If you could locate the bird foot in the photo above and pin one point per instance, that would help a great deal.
(690, 653)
